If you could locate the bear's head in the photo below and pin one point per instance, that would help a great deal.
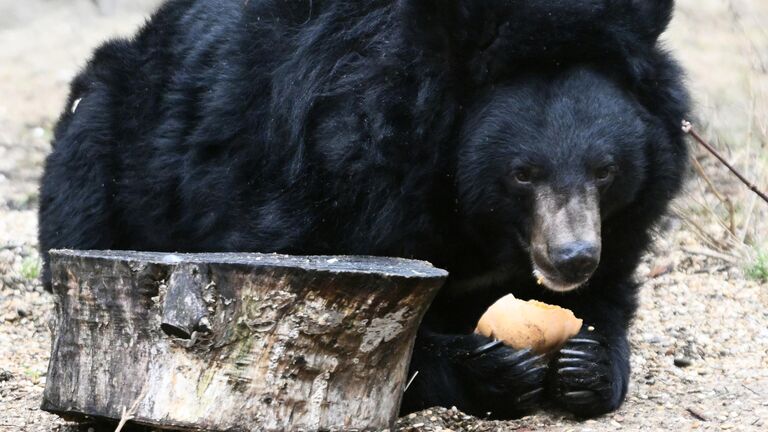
(545, 161)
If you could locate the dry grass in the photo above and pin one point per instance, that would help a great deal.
(723, 44)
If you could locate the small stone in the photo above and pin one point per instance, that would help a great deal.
(204, 325)
(682, 362)
(5, 375)
(652, 338)
(660, 269)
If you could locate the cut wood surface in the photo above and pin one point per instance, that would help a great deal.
(235, 341)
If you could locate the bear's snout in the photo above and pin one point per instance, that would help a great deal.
(565, 241)
(576, 261)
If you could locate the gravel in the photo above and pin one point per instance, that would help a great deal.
(700, 340)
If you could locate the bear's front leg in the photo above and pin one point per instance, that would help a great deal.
(590, 373)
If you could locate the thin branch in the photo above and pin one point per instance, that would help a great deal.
(410, 381)
(742, 236)
(731, 211)
(701, 232)
(688, 128)
(129, 413)
(711, 254)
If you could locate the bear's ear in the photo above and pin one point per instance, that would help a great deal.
(489, 39)
(470, 20)
(651, 17)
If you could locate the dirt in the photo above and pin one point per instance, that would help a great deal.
(700, 341)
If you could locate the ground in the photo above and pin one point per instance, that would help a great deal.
(700, 342)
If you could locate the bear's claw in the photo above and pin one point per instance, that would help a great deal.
(582, 378)
(509, 382)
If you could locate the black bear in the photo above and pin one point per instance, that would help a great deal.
(506, 141)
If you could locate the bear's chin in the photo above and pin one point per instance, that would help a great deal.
(553, 283)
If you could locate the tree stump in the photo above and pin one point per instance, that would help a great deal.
(234, 342)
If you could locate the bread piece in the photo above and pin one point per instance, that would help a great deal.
(528, 324)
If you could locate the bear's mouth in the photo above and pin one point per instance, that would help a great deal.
(553, 281)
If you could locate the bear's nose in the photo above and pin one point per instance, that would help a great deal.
(576, 261)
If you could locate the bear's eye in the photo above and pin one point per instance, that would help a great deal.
(523, 176)
(605, 174)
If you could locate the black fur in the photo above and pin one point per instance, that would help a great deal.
(386, 127)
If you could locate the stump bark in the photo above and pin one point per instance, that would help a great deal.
(234, 342)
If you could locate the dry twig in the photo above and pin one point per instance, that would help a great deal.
(726, 201)
(130, 412)
(712, 254)
(688, 128)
